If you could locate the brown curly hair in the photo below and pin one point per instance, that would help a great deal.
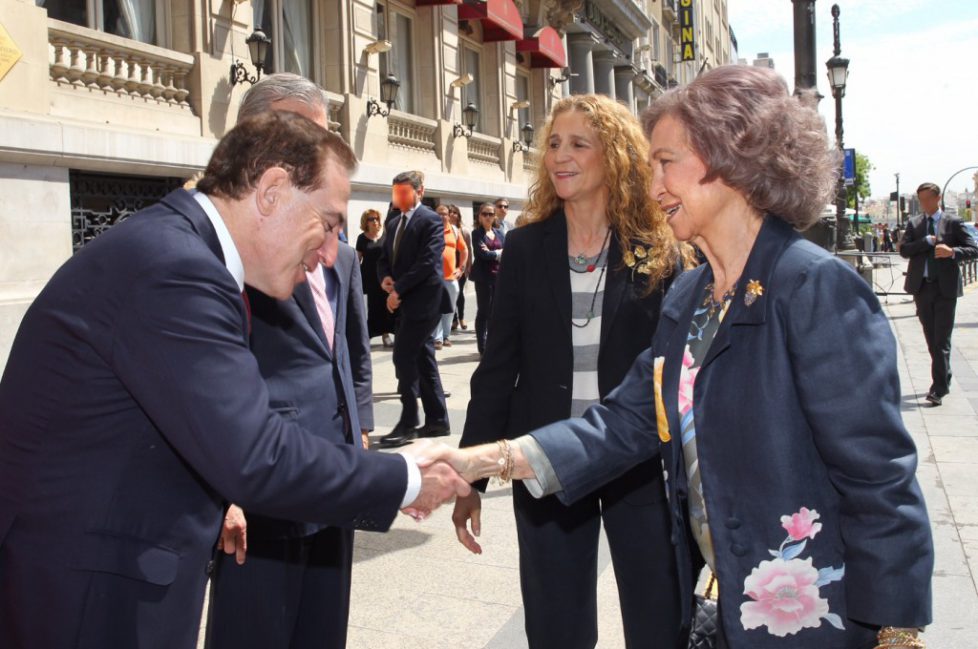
(757, 138)
(633, 216)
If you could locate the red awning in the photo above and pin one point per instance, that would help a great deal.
(546, 49)
(428, 3)
(501, 19)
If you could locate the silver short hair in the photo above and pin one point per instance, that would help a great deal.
(276, 87)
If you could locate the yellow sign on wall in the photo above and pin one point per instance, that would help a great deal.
(686, 30)
(9, 53)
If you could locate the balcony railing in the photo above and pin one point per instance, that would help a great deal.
(411, 132)
(670, 12)
(485, 149)
(83, 57)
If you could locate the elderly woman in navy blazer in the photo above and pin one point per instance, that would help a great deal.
(770, 391)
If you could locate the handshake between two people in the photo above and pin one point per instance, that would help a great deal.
(446, 474)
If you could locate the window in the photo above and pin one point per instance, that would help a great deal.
(140, 20)
(655, 42)
(289, 24)
(399, 30)
(523, 116)
(471, 64)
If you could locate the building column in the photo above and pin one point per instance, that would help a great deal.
(581, 63)
(624, 75)
(604, 73)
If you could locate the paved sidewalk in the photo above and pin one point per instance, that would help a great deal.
(416, 587)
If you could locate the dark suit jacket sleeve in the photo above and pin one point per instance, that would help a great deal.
(962, 242)
(358, 342)
(911, 245)
(848, 386)
(478, 238)
(179, 349)
(496, 376)
(430, 234)
(608, 440)
(383, 259)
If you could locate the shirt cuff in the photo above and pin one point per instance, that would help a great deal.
(413, 482)
(546, 481)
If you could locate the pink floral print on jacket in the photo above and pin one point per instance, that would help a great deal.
(784, 592)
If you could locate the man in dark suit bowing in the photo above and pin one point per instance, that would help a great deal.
(410, 270)
(935, 242)
(283, 583)
(133, 407)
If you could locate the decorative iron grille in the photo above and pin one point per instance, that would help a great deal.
(99, 201)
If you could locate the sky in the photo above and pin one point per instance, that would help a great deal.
(911, 100)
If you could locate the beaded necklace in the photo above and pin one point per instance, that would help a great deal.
(580, 260)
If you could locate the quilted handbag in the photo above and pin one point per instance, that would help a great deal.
(703, 634)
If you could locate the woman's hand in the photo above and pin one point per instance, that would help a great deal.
(468, 508)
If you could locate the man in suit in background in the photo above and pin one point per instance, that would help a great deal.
(410, 270)
(282, 583)
(934, 243)
(133, 407)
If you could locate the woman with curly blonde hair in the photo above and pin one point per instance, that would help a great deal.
(576, 300)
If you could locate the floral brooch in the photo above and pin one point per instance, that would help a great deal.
(634, 260)
(754, 291)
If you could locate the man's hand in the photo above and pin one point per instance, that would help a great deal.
(387, 284)
(393, 301)
(439, 484)
(365, 438)
(466, 508)
(234, 534)
(943, 251)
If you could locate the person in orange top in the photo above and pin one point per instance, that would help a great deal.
(453, 261)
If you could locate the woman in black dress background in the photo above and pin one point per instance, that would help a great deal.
(380, 322)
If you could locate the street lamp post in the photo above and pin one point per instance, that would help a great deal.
(838, 71)
(899, 213)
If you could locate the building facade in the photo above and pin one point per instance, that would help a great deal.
(106, 105)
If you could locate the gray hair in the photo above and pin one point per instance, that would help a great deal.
(276, 87)
(757, 138)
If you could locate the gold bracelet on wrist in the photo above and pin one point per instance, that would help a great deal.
(505, 463)
(890, 637)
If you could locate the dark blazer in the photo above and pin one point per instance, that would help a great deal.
(482, 260)
(915, 247)
(133, 410)
(526, 375)
(782, 422)
(417, 271)
(307, 382)
(347, 267)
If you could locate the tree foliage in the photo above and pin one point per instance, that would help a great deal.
(863, 167)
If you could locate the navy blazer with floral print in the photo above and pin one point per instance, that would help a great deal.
(819, 526)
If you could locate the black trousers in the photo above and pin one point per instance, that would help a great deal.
(483, 299)
(559, 561)
(936, 315)
(289, 594)
(460, 302)
(417, 371)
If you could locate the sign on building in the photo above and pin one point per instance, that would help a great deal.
(686, 29)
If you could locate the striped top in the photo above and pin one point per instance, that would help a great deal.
(587, 297)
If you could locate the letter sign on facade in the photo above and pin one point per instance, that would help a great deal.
(686, 29)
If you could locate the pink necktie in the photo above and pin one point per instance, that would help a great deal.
(317, 282)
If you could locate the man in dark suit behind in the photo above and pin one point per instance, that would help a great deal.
(934, 243)
(410, 270)
(288, 583)
(133, 408)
